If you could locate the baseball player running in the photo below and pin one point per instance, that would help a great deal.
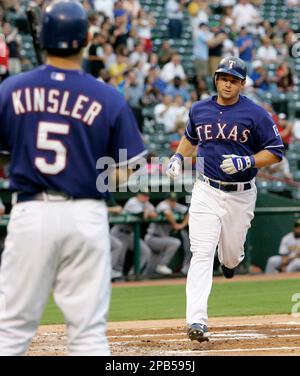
(57, 122)
(234, 137)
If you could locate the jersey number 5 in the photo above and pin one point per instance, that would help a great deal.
(45, 143)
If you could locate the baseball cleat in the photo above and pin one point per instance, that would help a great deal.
(198, 332)
(228, 273)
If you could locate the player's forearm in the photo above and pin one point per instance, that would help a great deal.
(185, 148)
(265, 158)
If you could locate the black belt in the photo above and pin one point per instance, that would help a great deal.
(227, 187)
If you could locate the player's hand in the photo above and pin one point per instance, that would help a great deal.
(174, 166)
(234, 163)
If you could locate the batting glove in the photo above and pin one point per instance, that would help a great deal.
(234, 163)
(174, 166)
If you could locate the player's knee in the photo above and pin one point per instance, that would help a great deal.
(202, 253)
(175, 243)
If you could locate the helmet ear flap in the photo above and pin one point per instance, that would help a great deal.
(215, 81)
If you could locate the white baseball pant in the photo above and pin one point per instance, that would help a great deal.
(217, 218)
(62, 246)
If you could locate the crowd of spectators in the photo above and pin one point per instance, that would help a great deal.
(122, 51)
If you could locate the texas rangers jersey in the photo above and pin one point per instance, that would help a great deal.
(57, 124)
(243, 128)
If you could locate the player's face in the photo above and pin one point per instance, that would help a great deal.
(228, 86)
(297, 232)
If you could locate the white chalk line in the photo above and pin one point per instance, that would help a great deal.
(212, 338)
(286, 323)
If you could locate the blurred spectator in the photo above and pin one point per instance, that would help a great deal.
(280, 171)
(290, 39)
(151, 96)
(288, 259)
(285, 129)
(109, 56)
(170, 111)
(134, 90)
(281, 49)
(201, 89)
(199, 11)
(104, 6)
(165, 53)
(244, 14)
(4, 58)
(292, 3)
(174, 13)
(284, 77)
(215, 44)
(119, 31)
(133, 7)
(180, 126)
(264, 28)
(96, 54)
(245, 44)
(144, 24)
(281, 27)
(177, 88)
(261, 80)
(172, 69)
(118, 68)
(266, 52)
(296, 130)
(201, 50)
(139, 54)
(153, 79)
(152, 62)
(13, 41)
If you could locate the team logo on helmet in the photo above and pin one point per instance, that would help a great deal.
(231, 63)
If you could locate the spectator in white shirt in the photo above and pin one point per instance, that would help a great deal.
(138, 55)
(105, 6)
(244, 14)
(170, 111)
(266, 52)
(172, 69)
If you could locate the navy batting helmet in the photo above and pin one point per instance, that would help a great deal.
(234, 66)
(64, 25)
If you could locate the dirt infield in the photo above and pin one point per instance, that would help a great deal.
(255, 335)
(252, 335)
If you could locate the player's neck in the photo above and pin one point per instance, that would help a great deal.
(71, 63)
(227, 102)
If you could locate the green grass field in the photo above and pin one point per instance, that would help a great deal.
(168, 302)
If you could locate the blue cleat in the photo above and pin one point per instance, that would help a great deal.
(198, 332)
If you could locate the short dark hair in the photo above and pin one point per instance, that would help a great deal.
(63, 52)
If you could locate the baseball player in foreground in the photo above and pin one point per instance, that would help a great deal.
(234, 137)
(57, 122)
